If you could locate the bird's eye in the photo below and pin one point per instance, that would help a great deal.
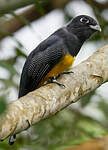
(84, 20)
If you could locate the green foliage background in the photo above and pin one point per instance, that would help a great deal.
(69, 127)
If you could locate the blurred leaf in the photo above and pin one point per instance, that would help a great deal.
(8, 67)
(93, 130)
(21, 19)
(39, 7)
(11, 60)
(103, 106)
(20, 45)
(9, 83)
(2, 105)
(5, 33)
(20, 53)
(86, 99)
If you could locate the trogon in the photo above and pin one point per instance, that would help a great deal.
(55, 54)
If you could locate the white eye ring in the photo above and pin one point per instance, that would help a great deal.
(84, 20)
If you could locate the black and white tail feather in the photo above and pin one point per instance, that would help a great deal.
(12, 139)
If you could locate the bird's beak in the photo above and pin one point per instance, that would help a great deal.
(96, 27)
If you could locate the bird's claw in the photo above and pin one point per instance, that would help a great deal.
(53, 80)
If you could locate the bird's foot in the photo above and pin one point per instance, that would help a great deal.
(53, 80)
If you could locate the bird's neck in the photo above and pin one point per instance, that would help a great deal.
(70, 40)
(79, 33)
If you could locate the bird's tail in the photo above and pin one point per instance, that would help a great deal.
(12, 139)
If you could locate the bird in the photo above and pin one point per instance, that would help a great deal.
(55, 54)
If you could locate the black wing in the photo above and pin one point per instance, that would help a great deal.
(38, 65)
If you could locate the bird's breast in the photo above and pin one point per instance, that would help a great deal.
(65, 63)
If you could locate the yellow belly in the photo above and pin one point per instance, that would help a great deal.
(65, 63)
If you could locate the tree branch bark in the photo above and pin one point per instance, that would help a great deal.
(49, 99)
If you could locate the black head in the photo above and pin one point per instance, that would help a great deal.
(83, 27)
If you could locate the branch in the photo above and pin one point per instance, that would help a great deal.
(13, 24)
(48, 100)
(15, 4)
(30, 14)
(5, 6)
(97, 144)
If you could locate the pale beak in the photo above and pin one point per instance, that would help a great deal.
(96, 27)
